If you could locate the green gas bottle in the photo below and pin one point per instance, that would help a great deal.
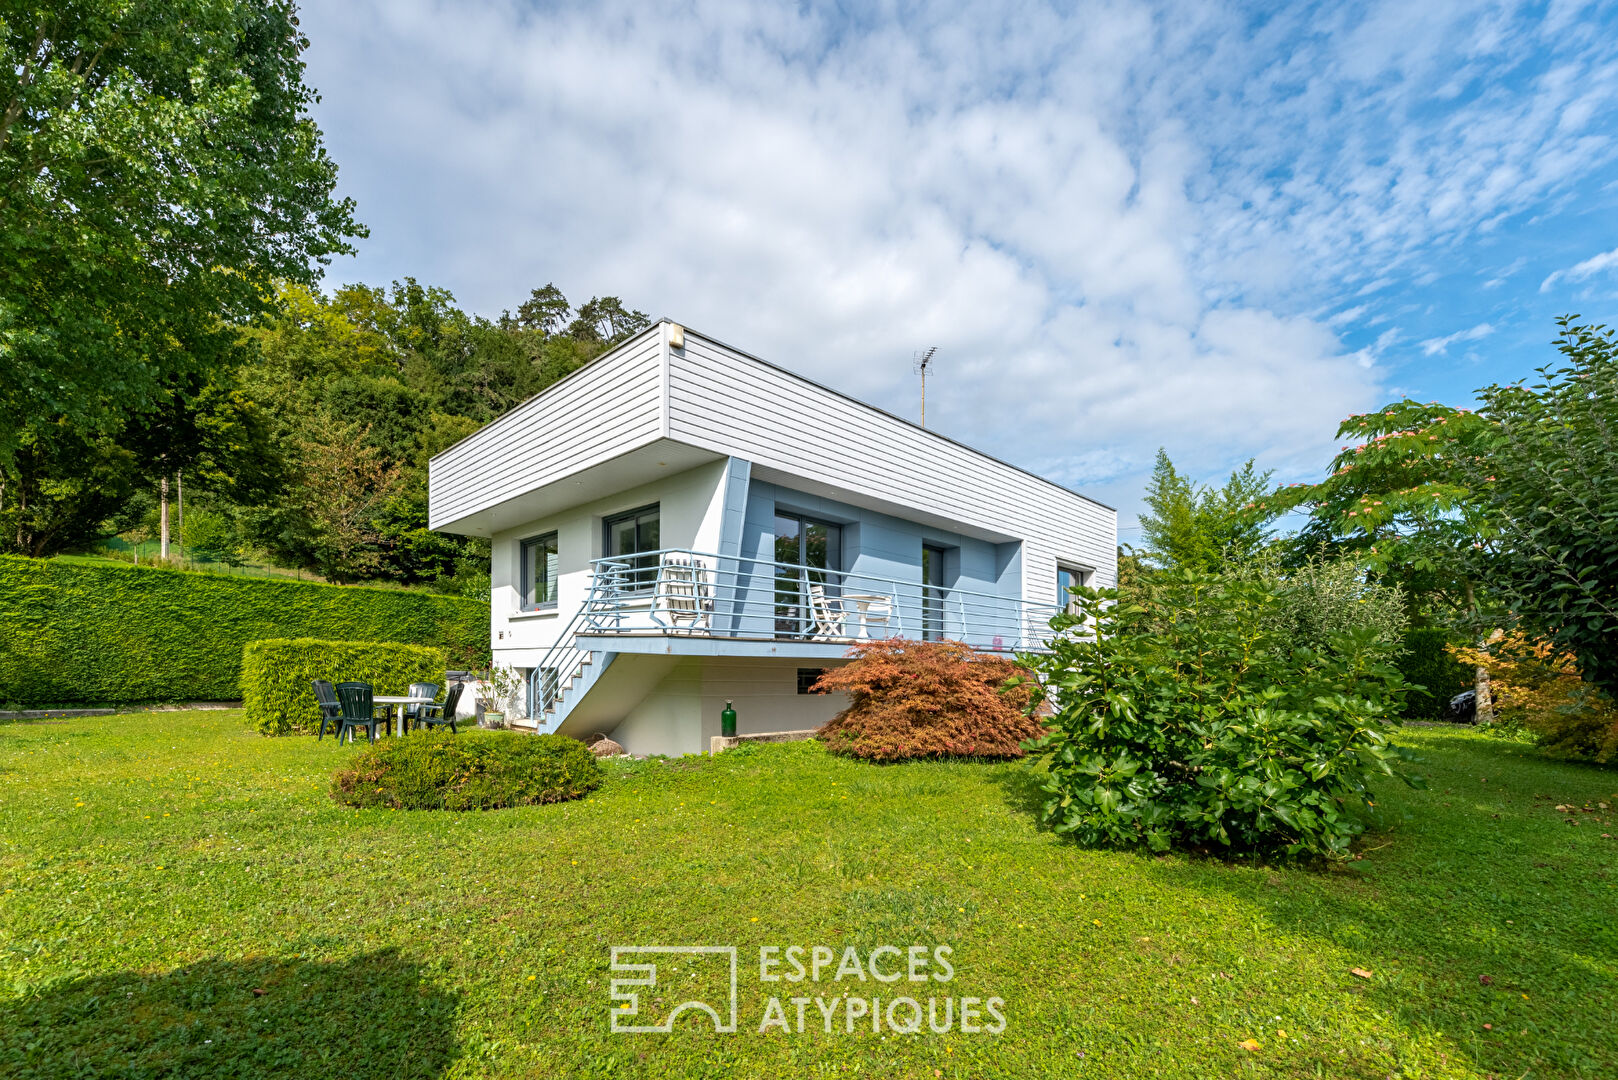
(727, 722)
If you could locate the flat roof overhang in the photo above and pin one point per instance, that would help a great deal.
(643, 465)
(666, 457)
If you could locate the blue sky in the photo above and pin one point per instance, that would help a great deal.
(1217, 228)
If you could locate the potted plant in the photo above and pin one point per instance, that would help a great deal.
(496, 688)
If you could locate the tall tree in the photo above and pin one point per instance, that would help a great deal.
(1548, 479)
(1399, 498)
(158, 172)
(605, 320)
(1192, 526)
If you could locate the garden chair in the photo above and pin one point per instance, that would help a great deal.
(438, 715)
(418, 689)
(825, 613)
(358, 711)
(331, 710)
(682, 592)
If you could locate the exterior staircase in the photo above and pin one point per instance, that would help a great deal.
(570, 690)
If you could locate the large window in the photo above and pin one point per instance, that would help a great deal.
(539, 572)
(632, 534)
(1069, 578)
(807, 555)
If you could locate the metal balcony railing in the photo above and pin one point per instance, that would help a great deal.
(679, 591)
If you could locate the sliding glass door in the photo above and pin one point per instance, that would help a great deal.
(805, 550)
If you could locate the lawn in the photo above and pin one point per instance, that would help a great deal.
(181, 898)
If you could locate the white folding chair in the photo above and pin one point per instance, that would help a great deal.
(825, 614)
(682, 593)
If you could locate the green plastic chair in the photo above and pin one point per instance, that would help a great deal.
(331, 710)
(358, 711)
(418, 689)
(439, 715)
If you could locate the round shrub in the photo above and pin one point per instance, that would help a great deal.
(475, 770)
(928, 699)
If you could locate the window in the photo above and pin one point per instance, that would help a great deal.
(538, 578)
(932, 592)
(805, 550)
(632, 534)
(1067, 579)
(807, 677)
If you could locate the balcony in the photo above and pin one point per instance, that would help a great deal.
(690, 594)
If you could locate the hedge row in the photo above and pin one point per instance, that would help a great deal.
(72, 633)
(1425, 663)
(278, 676)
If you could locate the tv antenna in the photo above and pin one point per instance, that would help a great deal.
(924, 359)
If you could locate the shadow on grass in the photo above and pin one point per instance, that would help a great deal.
(1022, 786)
(1475, 905)
(375, 1015)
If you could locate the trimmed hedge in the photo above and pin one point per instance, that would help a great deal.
(475, 770)
(71, 633)
(1424, 663)
(277, 673)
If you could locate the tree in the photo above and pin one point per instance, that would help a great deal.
(1547, 479)
(1509, 512)
(1400, 500)
(158, 172)
(345, 484)
(1188, 526)
(605, 320)
(544, 312)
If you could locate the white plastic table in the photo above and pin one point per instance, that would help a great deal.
(869, 608)
(400, 700)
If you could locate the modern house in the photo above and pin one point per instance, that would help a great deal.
(679, 524)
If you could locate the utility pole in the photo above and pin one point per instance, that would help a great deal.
(923, 359)
(163, 518)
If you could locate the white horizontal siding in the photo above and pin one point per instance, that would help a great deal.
(733, 404)
(598, 413)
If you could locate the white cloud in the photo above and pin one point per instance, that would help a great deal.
(1439, 345)
(1110, 222)
(1590, 267)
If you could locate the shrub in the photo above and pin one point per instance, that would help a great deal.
(1325, 597)
(277, 672)
(1432, 671)
(927, 699)
(1190, 720)
(95, 634)
(475, 770)
(1538, 687)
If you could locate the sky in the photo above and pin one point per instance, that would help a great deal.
(1209, 227)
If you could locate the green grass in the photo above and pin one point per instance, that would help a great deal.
(182, 898)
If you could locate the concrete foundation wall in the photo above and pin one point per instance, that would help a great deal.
(681, 713)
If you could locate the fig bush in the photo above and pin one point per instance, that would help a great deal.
(1187, 715)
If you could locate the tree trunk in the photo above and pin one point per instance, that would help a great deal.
(179, 511)
(163, 518)
(1482, 700)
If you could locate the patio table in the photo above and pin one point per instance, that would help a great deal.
(401, 700)
(868, 608)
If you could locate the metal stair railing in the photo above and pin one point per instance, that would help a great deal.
(565, 660)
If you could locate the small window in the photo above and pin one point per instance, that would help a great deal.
(631, 534)
(807, 677)
(1069, 578)
(539, 572)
